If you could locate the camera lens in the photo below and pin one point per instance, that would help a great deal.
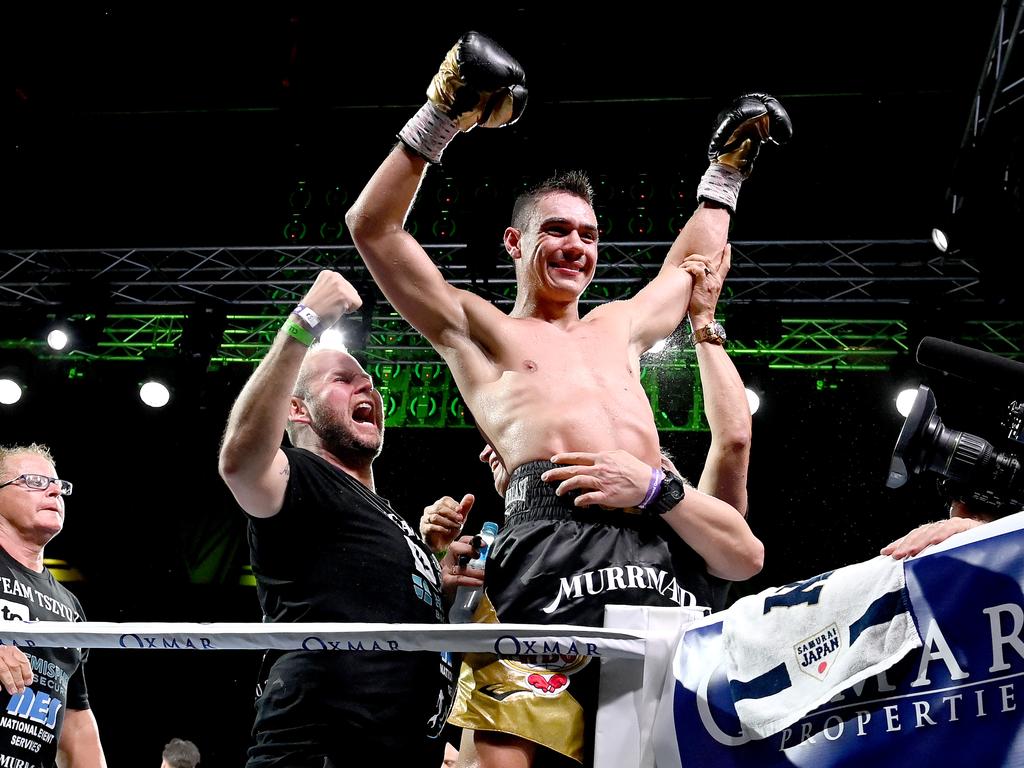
(960, 456)
(925, 445)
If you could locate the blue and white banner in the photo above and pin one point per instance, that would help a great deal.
(957, 700)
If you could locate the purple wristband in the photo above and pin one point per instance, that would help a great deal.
(657, 476)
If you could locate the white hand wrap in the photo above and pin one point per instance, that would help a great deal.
(428, 132)
(721, 184)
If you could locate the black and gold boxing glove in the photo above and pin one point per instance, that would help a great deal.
(742, 128)
(750, 121)
(478, 83)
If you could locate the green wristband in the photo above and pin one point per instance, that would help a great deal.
(297, 332)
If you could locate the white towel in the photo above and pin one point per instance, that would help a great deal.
(790, 649)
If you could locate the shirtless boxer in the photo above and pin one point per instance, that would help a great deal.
(544, 383)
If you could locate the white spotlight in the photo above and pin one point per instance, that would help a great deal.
(333, 338)
(752, 400)
(154, 394)
(939, 240)
(905, 401)
(57, 339)
(10, 391)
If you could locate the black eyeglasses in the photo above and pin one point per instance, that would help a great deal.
(41, 483)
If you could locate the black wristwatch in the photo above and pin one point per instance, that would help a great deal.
(671, 493)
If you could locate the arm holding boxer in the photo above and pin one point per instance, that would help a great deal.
(712, 528)
(725, 398)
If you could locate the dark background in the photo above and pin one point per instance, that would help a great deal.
(187, 126)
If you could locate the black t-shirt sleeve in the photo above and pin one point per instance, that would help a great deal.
(78, 693)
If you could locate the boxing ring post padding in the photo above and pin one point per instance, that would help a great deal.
(630, 687)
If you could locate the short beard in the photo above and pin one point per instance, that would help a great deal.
(336, 438)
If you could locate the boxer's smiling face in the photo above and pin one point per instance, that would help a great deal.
(558, 247)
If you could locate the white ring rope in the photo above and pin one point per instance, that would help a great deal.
(504, 639)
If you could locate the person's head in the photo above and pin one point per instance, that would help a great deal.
(31, 501)
(553, 236)
(963, 503)
(180, 753)
(334, 407)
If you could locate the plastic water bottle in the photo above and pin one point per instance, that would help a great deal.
(467, 598)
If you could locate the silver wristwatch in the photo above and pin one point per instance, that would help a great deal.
(713, 333)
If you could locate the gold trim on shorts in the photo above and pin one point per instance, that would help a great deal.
(526, 696)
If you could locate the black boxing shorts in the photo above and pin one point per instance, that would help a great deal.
(553, 563)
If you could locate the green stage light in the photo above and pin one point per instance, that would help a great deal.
(300, 198)
(422, 407)
(458, 411)
(676, 222)
(486, 191)
(448, 193)
(295, 230)
(642, 190)
(604, 189)
(640, 224)
(427, 373)
(677, 192)
(336, 197)
(444, 226)
(331, 231)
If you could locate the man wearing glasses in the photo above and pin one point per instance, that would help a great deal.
(48, 710)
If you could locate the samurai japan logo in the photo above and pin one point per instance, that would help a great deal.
(816, 654)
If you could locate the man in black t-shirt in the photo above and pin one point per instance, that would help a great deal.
(48, 710)
(326, 548)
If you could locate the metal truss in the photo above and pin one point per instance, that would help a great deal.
(810, 305)
(868, 345)
(147, 299)
(1001, 84)
(777, 271)
(799, 343)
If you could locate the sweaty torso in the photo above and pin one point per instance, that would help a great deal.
(550, 388)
